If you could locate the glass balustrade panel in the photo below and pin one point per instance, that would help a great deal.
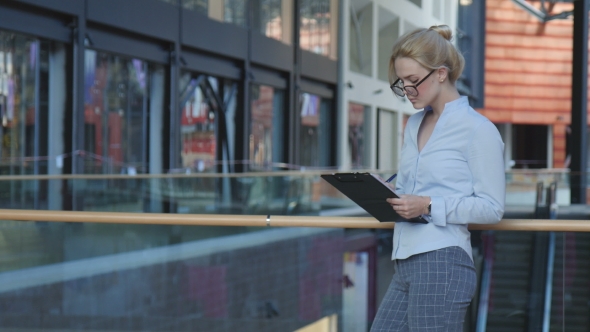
(121, 277)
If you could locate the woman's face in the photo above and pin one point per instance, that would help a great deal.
(410, 72)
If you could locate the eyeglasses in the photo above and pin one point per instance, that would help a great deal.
(411, 90)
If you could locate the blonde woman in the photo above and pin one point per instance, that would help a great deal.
(451, 173)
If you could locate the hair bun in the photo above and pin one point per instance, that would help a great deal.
(443, 30)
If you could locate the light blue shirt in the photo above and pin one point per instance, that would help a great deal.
(461, 168)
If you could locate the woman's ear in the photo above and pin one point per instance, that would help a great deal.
(442, 74)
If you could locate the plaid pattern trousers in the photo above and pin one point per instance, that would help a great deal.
(428, 292)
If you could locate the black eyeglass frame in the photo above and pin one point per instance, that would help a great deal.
(402, 91)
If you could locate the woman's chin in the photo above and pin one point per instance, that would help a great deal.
(416, 104)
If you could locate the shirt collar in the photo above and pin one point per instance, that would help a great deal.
(457, 103)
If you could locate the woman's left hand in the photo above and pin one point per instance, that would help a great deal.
(410, 206)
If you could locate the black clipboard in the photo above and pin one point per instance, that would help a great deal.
(369, 191)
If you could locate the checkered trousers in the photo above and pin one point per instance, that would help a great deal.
(429, 292)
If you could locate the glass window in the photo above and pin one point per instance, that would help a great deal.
(388, 139)
(19, 67)
(32, 108)
(115, 114)
(207, 139)
(315, 142)
(317, 32)
(206, 103)
(200, 6)
(436, 9)
(266, 126)
(408, 27)
(361, 37)
(418, 2)
(235, 12)
(267, 18)
(172, 2)
(530, 145)
(448, 7)
(358, 131)
(388, 34)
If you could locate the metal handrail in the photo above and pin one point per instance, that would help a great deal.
(541, 225)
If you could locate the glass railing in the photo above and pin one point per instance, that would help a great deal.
(114, 275)
(521, 185)
(187, 191)
(120, 277)
(280, 193)
(202, 252)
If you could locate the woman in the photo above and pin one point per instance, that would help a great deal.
(451, 173)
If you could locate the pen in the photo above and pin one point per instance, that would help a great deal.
(391, 178)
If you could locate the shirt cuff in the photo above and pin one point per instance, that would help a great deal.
(437, 211)
(426, 217)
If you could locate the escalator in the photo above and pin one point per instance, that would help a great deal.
(535, 281)
(571, 283)
(510, 281)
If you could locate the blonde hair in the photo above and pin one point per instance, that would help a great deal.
(431, 48)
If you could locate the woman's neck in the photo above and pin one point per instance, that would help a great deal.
(446, 96)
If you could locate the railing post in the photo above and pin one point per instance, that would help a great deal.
(539, 309)
(552, 203)
(486, 281)
(579, 110)
(540, 204)
(538, 277)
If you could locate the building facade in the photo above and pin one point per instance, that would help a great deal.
(371, 120)
(528, 81)
(137, 87)
(151, 87)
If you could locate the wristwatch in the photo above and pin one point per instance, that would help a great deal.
(429, 207)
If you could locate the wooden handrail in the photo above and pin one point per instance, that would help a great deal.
(542, 225)
(307, 172)
(156, 176)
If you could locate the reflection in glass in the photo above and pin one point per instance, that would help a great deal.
(206, 104)
(200, 6)
(436, 9)
(361, 40)
(388, 34)
(115, 114)
(357, 135)
(235, 12)
(315, 34)
(387, 139)
(314, 134)
(32, 98)
(121, 277)
(207, 144)
(198, 130)
(172, 2)
(266, 126)
(417, 2)
(19, 67)
(267, 18)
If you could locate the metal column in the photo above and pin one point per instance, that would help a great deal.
(579, 120)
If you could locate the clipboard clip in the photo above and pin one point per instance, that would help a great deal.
(348, 177)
